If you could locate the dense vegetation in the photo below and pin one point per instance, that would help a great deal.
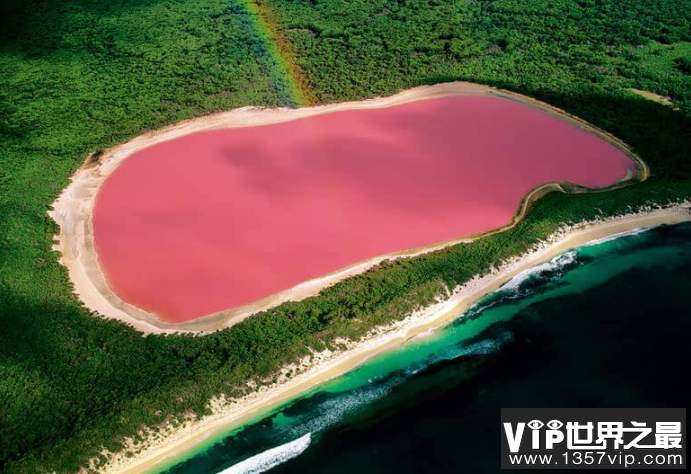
(354, 48)
(79, 75)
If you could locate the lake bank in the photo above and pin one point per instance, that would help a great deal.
(215, 221)
(73, 211)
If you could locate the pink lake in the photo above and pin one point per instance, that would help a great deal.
(219, 219)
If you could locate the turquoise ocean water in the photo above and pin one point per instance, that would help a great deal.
(603, 325)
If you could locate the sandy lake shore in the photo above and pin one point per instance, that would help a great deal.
(73, 210)
(172, 443)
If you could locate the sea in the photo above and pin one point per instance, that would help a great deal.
(604, 325)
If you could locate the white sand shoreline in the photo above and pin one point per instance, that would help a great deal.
(74, 207)
(174, 443)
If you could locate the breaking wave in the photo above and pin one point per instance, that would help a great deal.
(477, 309)
(271, 458)
(557, 267)
(552, 270)
(527, 283)
(486, 346)
(334, 408)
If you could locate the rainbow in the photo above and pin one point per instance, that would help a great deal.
(281, 52)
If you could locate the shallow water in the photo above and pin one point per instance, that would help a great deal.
(602, 326)
(216, 220)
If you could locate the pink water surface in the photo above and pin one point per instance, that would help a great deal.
(219, 219)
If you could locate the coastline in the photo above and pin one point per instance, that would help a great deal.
(174, 443)
(73, 209)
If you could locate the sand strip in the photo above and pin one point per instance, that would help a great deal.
(173, 443)
(660, 99)
(73, 209)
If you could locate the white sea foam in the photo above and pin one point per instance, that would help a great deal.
(427, 333)
(271, 458)
(556, 263)
(478, 308)
(486, 346)
(335, 408)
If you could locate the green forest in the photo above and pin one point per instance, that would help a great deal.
(81, 75)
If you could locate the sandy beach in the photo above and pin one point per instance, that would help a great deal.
(173, 443)
(73, 210)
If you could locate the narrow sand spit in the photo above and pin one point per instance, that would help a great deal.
(73, 210)
(171, 443)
